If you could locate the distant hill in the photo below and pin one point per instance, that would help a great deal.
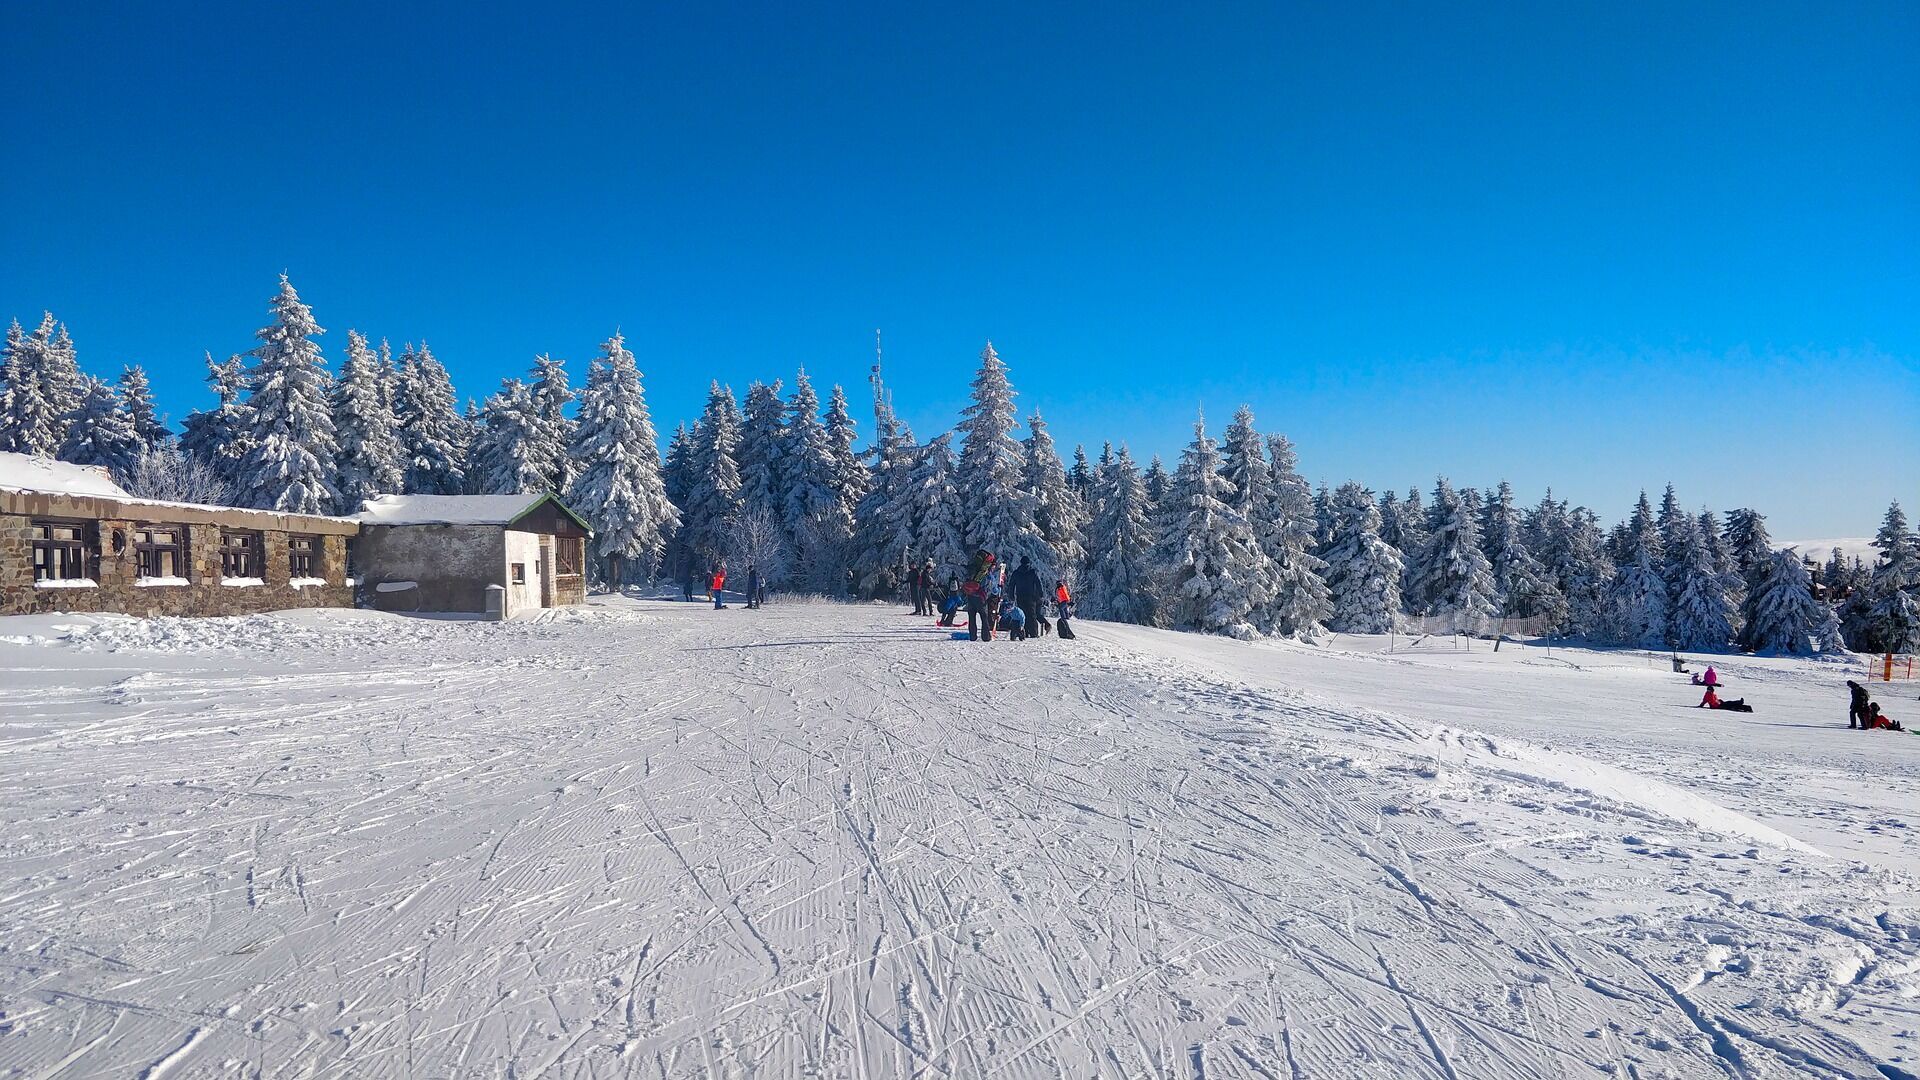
(1861, 546)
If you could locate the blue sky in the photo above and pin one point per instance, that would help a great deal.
(1596, 246)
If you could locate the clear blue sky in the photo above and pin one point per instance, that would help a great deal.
(1597, 246)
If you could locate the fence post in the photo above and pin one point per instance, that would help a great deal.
(1886, 672)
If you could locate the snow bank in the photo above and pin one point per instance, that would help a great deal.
(1555, 768)
(66, 583)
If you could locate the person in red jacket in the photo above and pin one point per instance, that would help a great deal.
(1063, 610)
(1881, 721)
(1710, 701)
(716, 583)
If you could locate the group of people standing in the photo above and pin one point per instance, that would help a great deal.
(994, 599)
(756, 590)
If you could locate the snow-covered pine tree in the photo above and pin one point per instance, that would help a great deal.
(43, 389)
(1392, 529)
(1059, 513)
(1672, 521)
(1250, 487)
(1121, 583)
(547, 382)
(989, 475)
(1731, 580)
(619, 489)
(1893, 622)
(100, 431)
(289, 463)
(1746, 537)
(1363, 570)
(431, 427)
(886, 521)
(1323, 519)
(370, 458)
(1702, 616)
(1637, 602)
(507, 456)
(1301, 602)
(1581, 568)
(1523, 587)
(1412, 541)
(850, 477)
(137, 394)
(1209, 544)
(1785, 616)
(819, 525)
(711, 510)
(761, 456)
(1451, 576)
(939, 513)
(1080, 477)
(676, 476)
(218, 438)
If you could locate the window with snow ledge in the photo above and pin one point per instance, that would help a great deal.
(159, 582)
(241, 582)
(306, 582)
(66, 583)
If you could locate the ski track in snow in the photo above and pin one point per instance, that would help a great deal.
(652, 840)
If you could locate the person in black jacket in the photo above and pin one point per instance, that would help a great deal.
(1857, 706)
(920, 588)
(1024, 583)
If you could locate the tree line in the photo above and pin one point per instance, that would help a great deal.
(1232, 540)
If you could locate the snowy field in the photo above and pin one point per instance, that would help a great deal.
(651, 839)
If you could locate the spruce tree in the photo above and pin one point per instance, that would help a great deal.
(938, 510)
(43, 389)
(619, 489)
(1893, 620)
(1059, 513)
(138, 397)
(819, 525)
(508, 456)
(1702, 616)
(432, 430)
(1451, 577)
(711, 510)
(887, 519)
(1209, 544)
(1301, 602)
(1120, 583)
(1363, 570)
(989, 474)
(1584, 573)
(1523, 587)
(1786, 618)
(1080, 477)
(370, 458)
(1637, 602)
(547, 382)
(850, 476)
(762, 454)
(218, 438)
(289, 462)
(1746, 537)
(676, 476)
(101, 432)
(1243, 465)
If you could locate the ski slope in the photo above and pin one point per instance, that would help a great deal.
(650, 839)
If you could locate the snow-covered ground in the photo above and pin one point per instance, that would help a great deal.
(651, 839)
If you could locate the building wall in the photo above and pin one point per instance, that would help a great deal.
(523, 548)
(116, 573)
(452, 564)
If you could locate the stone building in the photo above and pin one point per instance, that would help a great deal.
(73, 540)
(442, 553)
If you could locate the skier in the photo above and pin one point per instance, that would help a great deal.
(753, 585)
(1025, 583)
(1015, 620)
(1063, 606)
(716, 583)
(1856, 705)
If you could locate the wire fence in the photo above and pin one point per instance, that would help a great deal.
(1892, 667)
(1458, 633)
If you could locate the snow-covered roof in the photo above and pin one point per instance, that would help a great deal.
(453, 509)
(25, 472)
(24, 475)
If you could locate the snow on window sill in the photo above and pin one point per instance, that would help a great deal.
(396, 586)
(307, 582)
(159, 582)
(241, 582)
(66, 583)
